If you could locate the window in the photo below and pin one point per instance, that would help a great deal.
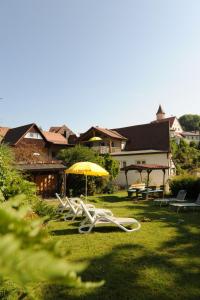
(139, 162)
(33, 135)
(123, 144)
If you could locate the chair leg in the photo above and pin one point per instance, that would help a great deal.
(85, 225)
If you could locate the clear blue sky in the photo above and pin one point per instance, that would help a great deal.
(98, 62)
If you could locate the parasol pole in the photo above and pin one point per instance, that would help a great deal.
(86, 187)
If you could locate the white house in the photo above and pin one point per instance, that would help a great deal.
(146, 144)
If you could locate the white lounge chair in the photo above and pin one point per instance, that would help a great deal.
(93, 218)
(76, 210)
(62, 205)
(193, 205)
(179, 198)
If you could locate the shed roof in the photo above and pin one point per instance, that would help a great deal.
(141, 167)
(41, 167)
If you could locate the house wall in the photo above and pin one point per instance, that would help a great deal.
(156, 177)
(27, 149)
(176, 126)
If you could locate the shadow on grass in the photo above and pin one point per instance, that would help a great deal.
(133, 272)
(114, 198)
(130, 272)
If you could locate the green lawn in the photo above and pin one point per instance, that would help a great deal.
(160, 261)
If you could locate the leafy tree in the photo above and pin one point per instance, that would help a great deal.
(190, 122)
(185, 156)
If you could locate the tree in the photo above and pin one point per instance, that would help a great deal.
(190, 122)
(185, 156)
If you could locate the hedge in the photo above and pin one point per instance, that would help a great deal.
(187, 182)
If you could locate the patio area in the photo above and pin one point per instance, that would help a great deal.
(160, 261)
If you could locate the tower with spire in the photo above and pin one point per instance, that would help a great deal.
(160, 115)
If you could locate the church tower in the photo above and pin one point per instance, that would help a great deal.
(160, 115)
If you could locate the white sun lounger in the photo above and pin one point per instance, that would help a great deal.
(94, 218)
(76, 209)
(62, 204)
(193, 205)
(179, 198)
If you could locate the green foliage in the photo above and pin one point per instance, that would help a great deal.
(111, 165)
(78, 153)
(110, 188)
(28, 255)
(11, 180)
(95, 184)
(187, 182)
(42, 209)
(185, 156)
(190, 122)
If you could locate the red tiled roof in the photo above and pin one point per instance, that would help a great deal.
(55, 138)
(110, 132)
(190, 133)
(102, 131)
(59, 129)
(152, 136)
(3, 131)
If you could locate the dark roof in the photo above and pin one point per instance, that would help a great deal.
(170, 120)
(41, 167)
(160, 110)
(15, 134)
(104, 131)
(141, 167)
(152, 136)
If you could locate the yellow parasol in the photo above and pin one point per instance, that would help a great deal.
(95, 139)
(88, 169)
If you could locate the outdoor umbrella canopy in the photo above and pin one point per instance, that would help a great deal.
(88, 169)
(95, 139)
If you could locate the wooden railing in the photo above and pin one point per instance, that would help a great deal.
(106, 149)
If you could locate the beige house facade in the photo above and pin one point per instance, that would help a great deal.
(149, 157)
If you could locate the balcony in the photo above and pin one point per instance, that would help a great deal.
(106, 149)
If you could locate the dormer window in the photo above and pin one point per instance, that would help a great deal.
(33, 135)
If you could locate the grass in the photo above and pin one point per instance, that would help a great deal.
(161, 261)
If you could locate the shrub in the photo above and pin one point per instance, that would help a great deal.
(110, 188)
(12, 182)
(187, 182)
(43, 209)
(29, 256)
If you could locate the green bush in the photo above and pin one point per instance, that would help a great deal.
(110, 188)
(12, 182)
(43, 209)
(28, 255)
(187, 182)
